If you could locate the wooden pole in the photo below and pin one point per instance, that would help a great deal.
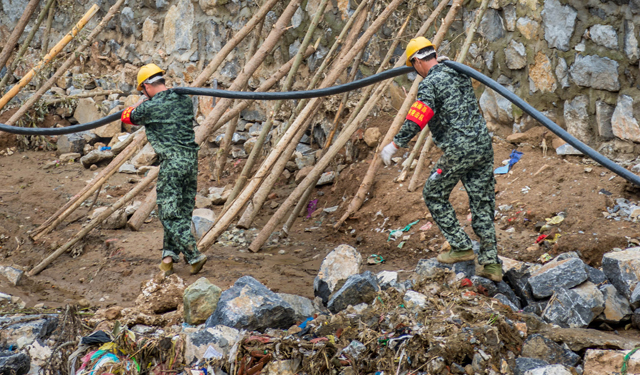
(366, 95)
(62, 213)
(47, 29)
(376, 163)
(266, 128)
(17, 31)
(328, 58)
(263, 191)
(223, 104)
(241, 81)
(413, 183)
(26, 43)
(66, 65)
(54, 51)
(151, 176)
(143, 212)
(231, 44)
(223, 222)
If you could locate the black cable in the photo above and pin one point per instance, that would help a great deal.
(221, 94)
(593, 154)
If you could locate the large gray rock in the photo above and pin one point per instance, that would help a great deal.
(144, 157)
(496, 108)
(516, 55)
(623, 123)
(250, 305)
(563, 274)
(623, 270)
(17, 332)
(616, 307)
(429, 267)
(510, 17)
(127, 24)
(528, 28)
(70, 143)
(630, 42)
(595, 71)
(559, 23)
(604, 35)
(337, 266)
(491, 26)
(201, 221)
(14, 363)
(604, 114)
(14, 275)
(178, 26)
(221, 338)
(596, 276)
(574, 308)
(541, 348)
(550, 370)
(576, 118)
(302, 306)
(524, 364)
(357, 289)
(200, 301)
(14, 9)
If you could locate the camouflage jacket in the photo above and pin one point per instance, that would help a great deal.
(168, 119)
(456, 117)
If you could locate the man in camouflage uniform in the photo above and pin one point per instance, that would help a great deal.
(446, 101)
(168, 119)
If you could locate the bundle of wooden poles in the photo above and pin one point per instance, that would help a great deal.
(256, 181)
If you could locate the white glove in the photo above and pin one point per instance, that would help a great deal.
(442, 58)
(387, 153)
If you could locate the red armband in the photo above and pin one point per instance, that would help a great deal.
(420, 113)
(126, 116)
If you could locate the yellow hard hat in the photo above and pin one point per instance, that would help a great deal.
(146, 72)
(415, 45)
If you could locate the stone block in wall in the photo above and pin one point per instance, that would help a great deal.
(576, 118)
(562, 73)
(496, 108)
(623, 124)
(595, 71)
(178, 24)
(516, 55)
(559, 24)
(604, 113)
(149, 28)
(604, 35)
(528, 28)
(510, 17)
(631, 42)
(541, 75)
(491, 27)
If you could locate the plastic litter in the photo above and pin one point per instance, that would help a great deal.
(311, 208)
(513, 159)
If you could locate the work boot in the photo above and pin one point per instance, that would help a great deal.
(196, 267)
(492, 272)
(167, 268)
(456, 256)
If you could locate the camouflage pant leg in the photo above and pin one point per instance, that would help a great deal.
(480, 185)
(436, 197)
(177, 184)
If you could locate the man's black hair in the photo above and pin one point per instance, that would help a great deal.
(427, 50)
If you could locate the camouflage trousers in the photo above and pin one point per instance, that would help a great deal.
(474, 166)
(177, 186)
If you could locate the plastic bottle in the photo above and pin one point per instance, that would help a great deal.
(436, 175)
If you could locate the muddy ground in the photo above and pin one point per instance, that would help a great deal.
(108, 267)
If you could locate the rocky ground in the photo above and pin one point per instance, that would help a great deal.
(567, 229)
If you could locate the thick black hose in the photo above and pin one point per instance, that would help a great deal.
(593, 154)
(221, 94)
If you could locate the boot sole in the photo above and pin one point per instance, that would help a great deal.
(492, 277)
(457, 260)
